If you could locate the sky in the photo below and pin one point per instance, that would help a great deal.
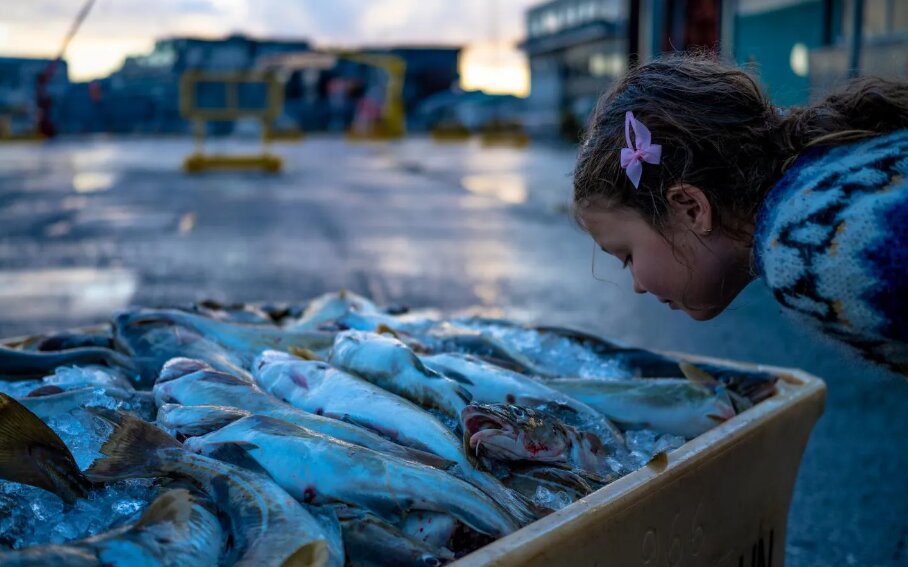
(489, 30)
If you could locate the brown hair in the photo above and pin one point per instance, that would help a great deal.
(719, 132)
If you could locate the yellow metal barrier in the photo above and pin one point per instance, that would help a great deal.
(199, 161)
(504, 133)
(391, 123)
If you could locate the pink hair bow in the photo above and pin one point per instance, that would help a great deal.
(643, 150)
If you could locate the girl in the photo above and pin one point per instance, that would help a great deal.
(698, 185)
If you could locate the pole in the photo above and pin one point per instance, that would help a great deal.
(854, 48)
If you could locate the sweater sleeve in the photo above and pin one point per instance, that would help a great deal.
(832, 245)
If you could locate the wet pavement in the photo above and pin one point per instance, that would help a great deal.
(91, 226)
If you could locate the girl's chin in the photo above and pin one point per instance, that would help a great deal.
(702, 314)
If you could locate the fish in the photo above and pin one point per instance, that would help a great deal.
(209, 387)
(318, 387)
(317, 469)
(234, 313)
(526, 478)
(19, 364)
(508, 432)
(490, 384)
(180, 366)
(372, 542)
(178, 528)
(66, 340)
(266, 525)
(190, 421)
(390, 364)
(666, 405)
(242, 341)
(327, 308)
(31, 453)
(746, 387)
(151, 345)
(434, 529)
(447, 337)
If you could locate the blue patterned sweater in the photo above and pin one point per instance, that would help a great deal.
(832, 244)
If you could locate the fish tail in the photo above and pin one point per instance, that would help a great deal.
(31, 453)
(131, 450)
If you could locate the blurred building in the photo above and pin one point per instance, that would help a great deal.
(576, 49)
(329, 98)
(799, 49)
(21, 97)
(143, 95)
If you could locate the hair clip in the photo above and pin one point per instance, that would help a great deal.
(642, 150)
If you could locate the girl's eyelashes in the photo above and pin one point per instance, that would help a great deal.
(627, 260)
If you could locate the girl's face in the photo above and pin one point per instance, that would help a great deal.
(690, 268)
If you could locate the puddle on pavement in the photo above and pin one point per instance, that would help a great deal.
(93, 181)
(509, 188)
(65, 293)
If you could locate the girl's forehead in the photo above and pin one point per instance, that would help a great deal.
(611, 221)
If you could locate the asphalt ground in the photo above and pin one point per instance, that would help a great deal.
(89, 226)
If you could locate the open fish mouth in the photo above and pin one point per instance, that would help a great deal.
(486, 432)
(499, 438)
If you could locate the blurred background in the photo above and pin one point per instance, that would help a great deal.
(418, 152)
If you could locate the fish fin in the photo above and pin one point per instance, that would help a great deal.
(426, 458)
(31, 453)
(235, 453)
(174, 506)
(130, 450)
(465, 396)
(717, 418)
(456, 376)
(312, 554)
(698, 376)
(180, 366)
(383, 329)
(391, 435)
(48, 390)
(303, 353)
(739, 402)
(218, 377)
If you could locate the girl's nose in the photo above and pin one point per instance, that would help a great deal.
(637, 287)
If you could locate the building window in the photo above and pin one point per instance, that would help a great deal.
(881, 17)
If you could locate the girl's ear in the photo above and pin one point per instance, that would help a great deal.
(690, 208)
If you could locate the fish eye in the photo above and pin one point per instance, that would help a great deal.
(518, 411)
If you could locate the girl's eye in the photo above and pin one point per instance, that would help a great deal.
(627, 260)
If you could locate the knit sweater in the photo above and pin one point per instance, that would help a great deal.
(831, 243)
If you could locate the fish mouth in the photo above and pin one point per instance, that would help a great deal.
(485, 432)
(722, 413)
(500, 439)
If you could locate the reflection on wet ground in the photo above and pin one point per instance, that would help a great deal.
(90, 226)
